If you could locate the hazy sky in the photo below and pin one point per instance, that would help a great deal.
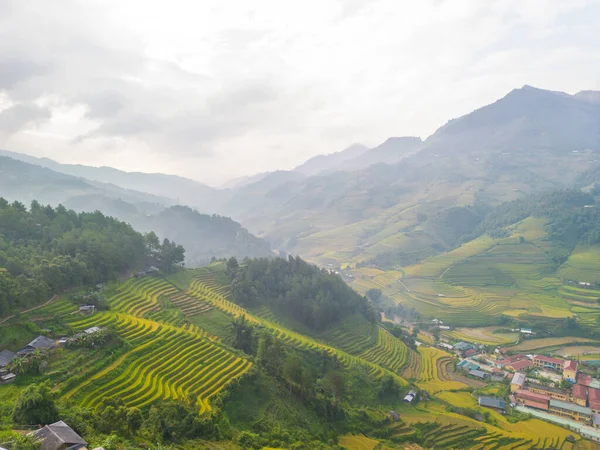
(217, 89)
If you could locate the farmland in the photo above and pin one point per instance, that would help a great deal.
(487, 278)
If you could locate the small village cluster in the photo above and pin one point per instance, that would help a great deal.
(41, 344)
(581, 402)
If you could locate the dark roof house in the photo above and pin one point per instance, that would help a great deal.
(41, 343)
(6, 356)
(492, 402)
(59, 436)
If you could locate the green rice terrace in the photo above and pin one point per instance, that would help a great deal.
(177, 349)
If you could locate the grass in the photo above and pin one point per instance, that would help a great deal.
(434, 375)
(582, 265)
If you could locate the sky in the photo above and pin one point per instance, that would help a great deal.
(214, 90)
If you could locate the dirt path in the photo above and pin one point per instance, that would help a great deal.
(54, 297)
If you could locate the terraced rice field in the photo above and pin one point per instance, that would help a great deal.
(165, 362)
(60, 307)
(358, 442)
(200, 290)
(435, 373)
(582, 265)
(189, 306)
(140, 296)
(578, 294)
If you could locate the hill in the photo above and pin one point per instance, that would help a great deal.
(332, 161)
(205, 236)
(176, 189)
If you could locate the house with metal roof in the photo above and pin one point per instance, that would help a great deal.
(41, 343)
(59, 436)
(479, 374)
(571, 411)
(463, 346)
(579, 394)
(492, 402)
(517, 382)
(6, 357)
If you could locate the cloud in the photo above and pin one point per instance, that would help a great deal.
(210, 89)
(21, 116)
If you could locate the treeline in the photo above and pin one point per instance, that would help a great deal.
(297, 289)
(46, 250)
(569, 221)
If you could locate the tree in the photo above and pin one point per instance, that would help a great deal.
(134, 419)
(292, 370)
(26, 442)
(388, 389)
(374, 295)
(35, 406)
(232, 267)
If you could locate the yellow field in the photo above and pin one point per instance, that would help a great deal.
(433, 376)
(581, 350)
(358, 442)
(533, 344)
(485, 336)
(458, 399)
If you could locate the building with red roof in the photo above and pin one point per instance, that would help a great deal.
(570, 370)
(579, 394)
(518, 366)
(594, 399)
(470, 352)
(546, 361)
(537, 405)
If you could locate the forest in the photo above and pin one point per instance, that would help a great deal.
(292, 287)
(47, 250)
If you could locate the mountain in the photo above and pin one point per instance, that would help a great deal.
(203, 236)
(525, 120)
(332, 161)
(529, 141)
(392, 151)
(178, 189)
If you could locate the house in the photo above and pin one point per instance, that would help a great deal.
(39, 343)
(494, 403)
(8, 378)
(479, 374)
(470, 352)
(570, 411)
(526, 331)
(408, 398)
(579, 394)
(446, 346)
(59, 436)
(517, 382)
(463, 346)
(92, 330)
(533, 400)
(548, 363)
(6, 357)
(437, 322)
(518, 366)
(468, 365)
(444, 327)
(152, 269)
(570, 371)
(594, 399)
(86, 310)
(596, 420)
(555, 393)
(394, 416)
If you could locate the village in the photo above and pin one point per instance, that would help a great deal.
(549, 388)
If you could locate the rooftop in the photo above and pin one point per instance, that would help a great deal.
(520, 365)
(463, 345)
(571, 365)
(41, 342)
(492, 402)
(478, 373)
(57, 436)
(596, 419)
(538, 405)
(6, 356)
(579, 391)
(92, 330)
(548, 360)
(570, 407)
(547, 388)
(528, 395)
(594, 394)
(519, 379)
